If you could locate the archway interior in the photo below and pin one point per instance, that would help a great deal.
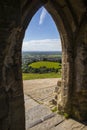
(44, 39)
(71, 19)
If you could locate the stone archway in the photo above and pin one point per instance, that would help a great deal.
(70, 17)
(65, 34)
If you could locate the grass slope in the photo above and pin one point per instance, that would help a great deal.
(47, 64)
(28, 76)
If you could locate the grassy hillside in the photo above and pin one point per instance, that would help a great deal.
(28, 76)
(46, 64)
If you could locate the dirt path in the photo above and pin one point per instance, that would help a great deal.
(36, 92)
(41, 90)
(38, 115)
(39, 83)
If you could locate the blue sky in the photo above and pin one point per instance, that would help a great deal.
(42, 33)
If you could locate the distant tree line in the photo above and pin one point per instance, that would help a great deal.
(31, 60)
(26, 61)
(29, 69)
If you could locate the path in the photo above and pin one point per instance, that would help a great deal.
(38, 93)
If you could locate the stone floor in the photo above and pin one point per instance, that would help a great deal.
(38, 93)
(35, 112)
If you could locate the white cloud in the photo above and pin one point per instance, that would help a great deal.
(42, 16)
(42, 45)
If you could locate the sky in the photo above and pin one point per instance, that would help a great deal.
(41, 33)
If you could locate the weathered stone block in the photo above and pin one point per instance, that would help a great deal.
(3, 105)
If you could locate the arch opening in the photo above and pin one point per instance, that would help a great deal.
(66, 50)
(43, 47)
(65, 102)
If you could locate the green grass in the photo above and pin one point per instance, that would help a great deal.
(28, 76)
(66, 115)
(47, 64)
(55, 109)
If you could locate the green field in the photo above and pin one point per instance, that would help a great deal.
(28, 76)
(46, 64)
(38, 65)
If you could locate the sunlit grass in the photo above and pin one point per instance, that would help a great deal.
(28, 76)
(47, 64)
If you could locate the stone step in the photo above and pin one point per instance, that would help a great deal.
(70, 125)
(37, 114)
(32, 124)
(48, 123)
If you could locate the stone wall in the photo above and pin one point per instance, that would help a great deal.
(80, 74)
(11, 90)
